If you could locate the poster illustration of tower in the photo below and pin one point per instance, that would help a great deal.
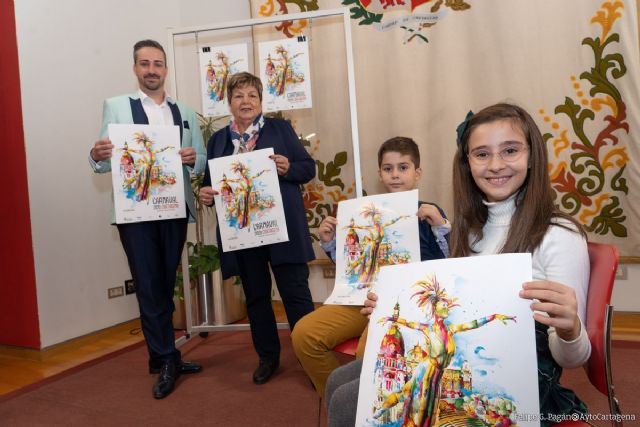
(284, 71)
(249, 203)
(217, 65)
(146, 172)
(451, 343)
(373, 231)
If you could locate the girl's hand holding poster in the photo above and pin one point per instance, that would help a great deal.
(451, 343)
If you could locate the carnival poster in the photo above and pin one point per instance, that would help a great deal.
(451, 343)
(146, 171)
(284, 71)
(217, 65)
(373, 231)
(249, 203)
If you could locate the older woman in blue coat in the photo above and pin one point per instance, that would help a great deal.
(250, 130)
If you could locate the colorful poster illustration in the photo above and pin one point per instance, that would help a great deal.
(451, 344)
(249, 205)
(284, 71)
(146, 171)
(373, 231)
(217, 65)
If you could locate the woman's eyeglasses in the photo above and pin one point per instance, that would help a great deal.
(508, 154)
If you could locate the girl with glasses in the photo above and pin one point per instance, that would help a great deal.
(504, 204)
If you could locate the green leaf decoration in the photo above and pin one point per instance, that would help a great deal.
(598, 76)
(570, 203)
(304, 5)
(618, 182)
(586, 180)
(203, 259)
(593, 183)
(610, 220)
(577, 116)
(359, 12)
(329, 174)
(340, 158)
(324, 210)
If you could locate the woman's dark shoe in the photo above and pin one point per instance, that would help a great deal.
(264, 371)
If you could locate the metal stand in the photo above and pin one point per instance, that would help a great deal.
(211, 308)
(207, 293)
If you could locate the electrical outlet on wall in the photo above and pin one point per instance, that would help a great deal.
(621, 272)
(116, 291)
(129, 287)
(329, 272)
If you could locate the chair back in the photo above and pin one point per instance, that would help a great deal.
(604, 263)
(603, 260)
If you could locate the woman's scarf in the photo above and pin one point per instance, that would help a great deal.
(243, 143)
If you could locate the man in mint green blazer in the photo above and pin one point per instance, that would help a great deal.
(154, 248)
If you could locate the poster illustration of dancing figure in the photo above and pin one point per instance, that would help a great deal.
(217, 65)
(436, 351)
(373, 231)
(146, 173)
(284, 71)
(249, 203)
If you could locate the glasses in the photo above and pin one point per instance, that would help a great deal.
(509, 154)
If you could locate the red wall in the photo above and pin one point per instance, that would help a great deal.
(18, 300)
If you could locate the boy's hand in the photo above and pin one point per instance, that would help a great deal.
(431, 214)
(369, 304)
(206, 195)
(327, 229)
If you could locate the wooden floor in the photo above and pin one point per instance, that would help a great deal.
(21, 367)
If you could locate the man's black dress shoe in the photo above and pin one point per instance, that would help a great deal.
(184, 368)
(264, 371)
(165, 383)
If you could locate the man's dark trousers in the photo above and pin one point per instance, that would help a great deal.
(153, 251)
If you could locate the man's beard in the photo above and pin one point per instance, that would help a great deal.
(152, 85)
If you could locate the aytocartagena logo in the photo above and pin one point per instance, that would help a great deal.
(412, 16)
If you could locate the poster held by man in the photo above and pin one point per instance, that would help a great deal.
(146, 173)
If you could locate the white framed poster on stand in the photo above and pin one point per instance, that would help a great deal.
(285, 74)
(183, 58)
(217, 65)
